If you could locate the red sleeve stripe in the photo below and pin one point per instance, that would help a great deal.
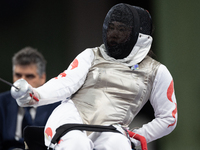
(170, 91)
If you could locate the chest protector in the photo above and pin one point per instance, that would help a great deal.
(113, 93)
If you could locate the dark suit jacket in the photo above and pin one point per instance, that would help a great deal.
(8, 120)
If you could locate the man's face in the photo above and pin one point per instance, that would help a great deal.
(117, 33)
(29, 73)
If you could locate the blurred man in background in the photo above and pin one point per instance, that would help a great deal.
(30, 65)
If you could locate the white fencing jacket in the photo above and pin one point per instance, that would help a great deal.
(162, 97)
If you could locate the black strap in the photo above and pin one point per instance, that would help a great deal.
(62, 130)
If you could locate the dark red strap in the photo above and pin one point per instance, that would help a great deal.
(140, 138)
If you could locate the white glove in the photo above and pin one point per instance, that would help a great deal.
(25, 95)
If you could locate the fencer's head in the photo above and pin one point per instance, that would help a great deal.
(121, 28)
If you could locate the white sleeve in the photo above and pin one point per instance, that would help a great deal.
(62, 87)
(163, 101)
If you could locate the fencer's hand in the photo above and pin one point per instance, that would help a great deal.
(25, 95)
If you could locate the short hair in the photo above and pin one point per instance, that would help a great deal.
(28, 56)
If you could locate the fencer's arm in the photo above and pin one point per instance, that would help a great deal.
(163, 101)
(68, 82)
(62, 87)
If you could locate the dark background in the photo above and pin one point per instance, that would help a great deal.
(62, 29)
(58, 29)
